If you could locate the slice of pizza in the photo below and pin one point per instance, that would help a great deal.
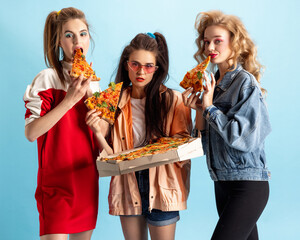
(194, 77)
(80, 66)
(106, 101)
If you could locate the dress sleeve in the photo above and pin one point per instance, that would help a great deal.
(38, 96)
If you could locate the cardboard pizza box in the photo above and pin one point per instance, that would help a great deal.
(189, 150)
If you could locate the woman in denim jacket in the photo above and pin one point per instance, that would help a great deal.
(232, 117)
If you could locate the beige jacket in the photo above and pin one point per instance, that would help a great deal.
(169, 184)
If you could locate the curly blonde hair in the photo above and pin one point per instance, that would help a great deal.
(243, 48)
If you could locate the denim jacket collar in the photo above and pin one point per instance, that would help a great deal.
(228, 77)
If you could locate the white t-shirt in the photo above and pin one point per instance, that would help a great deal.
(138, 121)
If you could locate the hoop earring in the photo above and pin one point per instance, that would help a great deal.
(60, 53)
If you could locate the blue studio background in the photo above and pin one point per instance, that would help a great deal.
(272, 24)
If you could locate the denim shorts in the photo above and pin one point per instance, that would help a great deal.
(156, 217)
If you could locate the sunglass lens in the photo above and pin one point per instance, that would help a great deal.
(134, 66)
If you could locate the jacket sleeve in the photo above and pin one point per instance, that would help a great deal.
(245, 125)
(181, 125)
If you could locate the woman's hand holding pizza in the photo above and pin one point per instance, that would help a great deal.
(100, 129)
(93, 120)
(77, 90)
(207, 96)
(192, 99)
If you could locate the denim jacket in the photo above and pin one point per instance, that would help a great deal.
(236, 126)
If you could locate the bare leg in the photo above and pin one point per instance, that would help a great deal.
(54, 237)
(134, 228)
(162, 233)
(86, 235)
(76, 236)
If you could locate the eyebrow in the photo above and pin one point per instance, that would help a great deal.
(140, 63)
(216, 36)
(83, 30)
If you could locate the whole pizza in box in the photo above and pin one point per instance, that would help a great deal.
(163, 151)
(161, 145)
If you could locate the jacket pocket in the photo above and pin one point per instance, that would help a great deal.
(174, 182)
(225, 156)
(234, 158)
(170, 176)
(124, 194)
(166, 181)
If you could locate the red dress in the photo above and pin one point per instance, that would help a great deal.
(67, 186)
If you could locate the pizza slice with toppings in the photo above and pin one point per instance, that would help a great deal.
(106, 101)
(194, 77)
(80, 66)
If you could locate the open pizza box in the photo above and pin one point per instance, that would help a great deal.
(189, 150)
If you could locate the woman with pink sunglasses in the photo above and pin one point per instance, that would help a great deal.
(147, 110)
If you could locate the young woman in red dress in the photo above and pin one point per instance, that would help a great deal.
(67, 187)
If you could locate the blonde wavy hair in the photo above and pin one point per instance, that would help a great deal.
(243, 48)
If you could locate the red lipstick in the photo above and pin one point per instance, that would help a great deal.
(139, 79)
